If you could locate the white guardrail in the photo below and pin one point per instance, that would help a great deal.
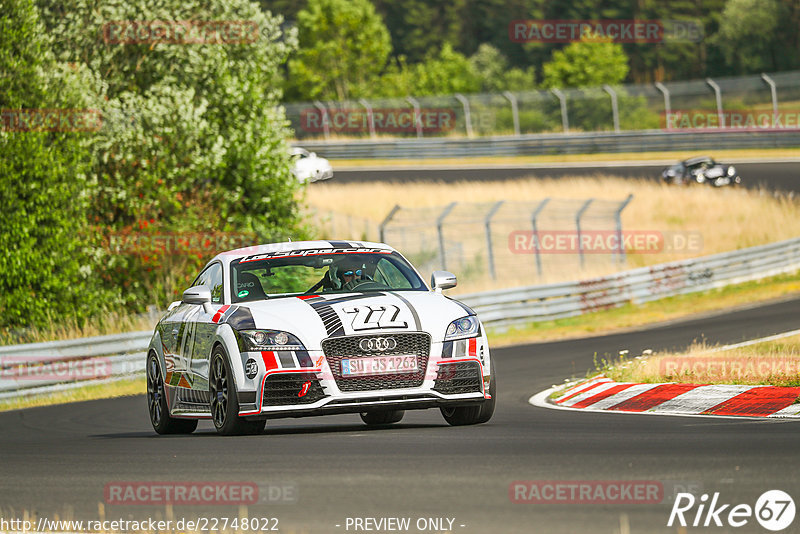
(38, 368)
(566, 299)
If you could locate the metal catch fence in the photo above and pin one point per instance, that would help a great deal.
(494, 240)
(632, 107)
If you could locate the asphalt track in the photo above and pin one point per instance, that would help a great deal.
(782, 176)
(59, 459)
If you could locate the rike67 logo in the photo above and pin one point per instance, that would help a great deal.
(774, 510)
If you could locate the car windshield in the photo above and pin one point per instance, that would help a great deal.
(293, 273)
(700, 162)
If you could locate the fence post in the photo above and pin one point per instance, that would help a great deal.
(563, 99)
(490, 251)
(514, 110)
(467, 117)
(535, 224)
(326, 128)
(370, 116)
(614, 107)
(417, 116)
(667, 104)
(387, 220)
(578, 217)
(773, 90)
(439, 221)
(711, 83)
(618, 220)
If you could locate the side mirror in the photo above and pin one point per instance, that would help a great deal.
(442, 280)
(199, 295)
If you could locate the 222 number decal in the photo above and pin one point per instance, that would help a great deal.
(375, 317)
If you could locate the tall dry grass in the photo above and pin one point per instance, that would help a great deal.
(772, 362)
(726, 218)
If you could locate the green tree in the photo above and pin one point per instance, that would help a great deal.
(47, 268)
(193, 139)
(343, 48)
(419, 26)
(492, 67)
(748, 35)
(444, 73)
(590, 62)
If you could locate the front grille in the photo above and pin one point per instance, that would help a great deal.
(281, 389)
(456, 378)
(418, 344)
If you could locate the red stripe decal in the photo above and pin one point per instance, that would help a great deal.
(568, 397)
(220, 313)
(653, 397)
(757, 401)
(306, 297)
(600, 396)
(473, 347)
(270, 360)
(332, 251)
(583, 383)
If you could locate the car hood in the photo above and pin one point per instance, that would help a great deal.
(313, 318)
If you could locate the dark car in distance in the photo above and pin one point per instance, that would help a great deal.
(701, 169)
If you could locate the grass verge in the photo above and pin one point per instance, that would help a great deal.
(775, 363)
(120, 388)
(631, 316)
(63, 328)
(765, 153)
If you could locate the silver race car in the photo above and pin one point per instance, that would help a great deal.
(314, 328)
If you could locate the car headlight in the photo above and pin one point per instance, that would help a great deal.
(258, 340)
(731, 171)
(461, 328)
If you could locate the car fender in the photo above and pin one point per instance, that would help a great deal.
(156, 346)
(484, 353)
(224, 336)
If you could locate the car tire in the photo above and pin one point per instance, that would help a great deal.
(461, 415)
(386, 417)
(223, 400)
(157, 403)
(474, 414)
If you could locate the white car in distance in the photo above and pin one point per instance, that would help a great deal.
(308, 167)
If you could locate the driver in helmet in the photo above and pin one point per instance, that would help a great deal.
(350, 274)
(344, 274)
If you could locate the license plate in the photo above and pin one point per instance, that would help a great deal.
(379, 365)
